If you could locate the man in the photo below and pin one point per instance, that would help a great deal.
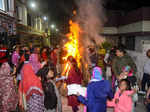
(122, 60)
(93, 56)
(146, 75)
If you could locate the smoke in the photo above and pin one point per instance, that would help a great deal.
(91, 18)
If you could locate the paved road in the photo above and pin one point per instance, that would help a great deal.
(140, 107)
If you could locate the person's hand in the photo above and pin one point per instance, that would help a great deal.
(78, 94)
(126, 73)
(14, 70)
(116, 101)
(123, 76)
(43, 64)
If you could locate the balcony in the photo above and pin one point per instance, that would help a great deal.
(7, 15)
(23, 29)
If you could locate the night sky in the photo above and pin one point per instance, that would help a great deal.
(59, 11)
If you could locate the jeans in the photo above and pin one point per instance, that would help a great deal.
(145, 80)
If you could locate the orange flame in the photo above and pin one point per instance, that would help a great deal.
(72, 46)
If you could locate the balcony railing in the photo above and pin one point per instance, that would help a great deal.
(6, 14)
(29, 30)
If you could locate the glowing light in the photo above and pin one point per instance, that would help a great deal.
(57, 30)
(45, 18)
(52, 26)
(33, 5)
(72, 46)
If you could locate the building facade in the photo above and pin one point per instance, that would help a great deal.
(30, 24)
(7, 21)
(132, 29)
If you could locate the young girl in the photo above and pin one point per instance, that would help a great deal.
(122, 101)
(52, 101)
(98, 91)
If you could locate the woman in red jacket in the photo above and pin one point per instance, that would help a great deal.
(74, 77)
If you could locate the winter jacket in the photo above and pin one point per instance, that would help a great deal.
(120, 62)
(97, 94)
(124, 102)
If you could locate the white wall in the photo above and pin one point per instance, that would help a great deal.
(142, 43)
(134, 27)
(137, 57)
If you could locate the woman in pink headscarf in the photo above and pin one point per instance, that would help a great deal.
(30, 89)
(34, 60)
(15, 57)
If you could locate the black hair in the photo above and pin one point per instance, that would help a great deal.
(43, 72)
(127, 82)
(74, 63)
(121, 48)
(26, 56)
(19, 68)
(147, 53)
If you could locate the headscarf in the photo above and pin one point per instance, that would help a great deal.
(128, 69)
(30, 82)
(35, 62)
(97, 74)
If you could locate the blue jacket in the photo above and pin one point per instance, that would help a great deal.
(97, 94)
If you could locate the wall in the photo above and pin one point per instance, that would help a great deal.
(139, 54)
(139, 42)
(11, 7)
(22, 14)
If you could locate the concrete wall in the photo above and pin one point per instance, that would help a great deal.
(141, 26)
(142, 43)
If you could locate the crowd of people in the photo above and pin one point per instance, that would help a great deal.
(29, 77)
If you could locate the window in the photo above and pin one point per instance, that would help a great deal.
(2, 5)
(7, 5)
(130, 42)
(29, 19)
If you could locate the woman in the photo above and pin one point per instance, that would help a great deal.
(34, 60)
(74, 77)
(98, 91)
(15, 57)
(30, 88)
(52, 100)
(8, 94)
(44, 53)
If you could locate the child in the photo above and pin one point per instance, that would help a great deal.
(52, 100)
(122, 101)
(127, 73)
(98, 91)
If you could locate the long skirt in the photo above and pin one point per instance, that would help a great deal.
(35, 104)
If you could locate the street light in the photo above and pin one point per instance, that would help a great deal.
(45, 18)
(52, 26)
(33, 5)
